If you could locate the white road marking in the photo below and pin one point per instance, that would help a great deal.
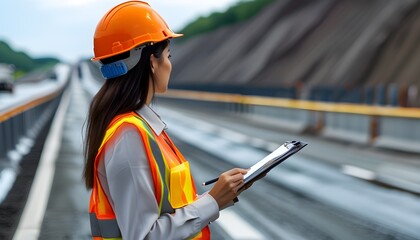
(358, 172)
(236, 227)
(7, 178)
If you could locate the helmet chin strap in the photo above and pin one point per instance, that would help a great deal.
(120, 67)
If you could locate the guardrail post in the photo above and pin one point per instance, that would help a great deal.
(3, 148)
(10, 141)
(413, 96)
(318, 122)
(374, 129)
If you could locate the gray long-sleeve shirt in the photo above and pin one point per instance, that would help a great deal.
(125, 175)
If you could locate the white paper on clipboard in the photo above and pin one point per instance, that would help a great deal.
(273, 159)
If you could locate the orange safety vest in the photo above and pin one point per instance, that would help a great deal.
(173, 183)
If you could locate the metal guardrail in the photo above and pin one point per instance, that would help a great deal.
(351, 122)
(296, 104)
(26, 120)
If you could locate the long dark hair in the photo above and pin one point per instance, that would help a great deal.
(117, 96)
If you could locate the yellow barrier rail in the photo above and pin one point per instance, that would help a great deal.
(295, 104)
(24, 107)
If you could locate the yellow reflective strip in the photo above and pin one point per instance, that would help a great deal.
(110, 131)
(198, 236)
(132, 119)
(145, 127)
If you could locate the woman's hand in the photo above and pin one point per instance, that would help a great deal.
(249, 184)
(227, 187)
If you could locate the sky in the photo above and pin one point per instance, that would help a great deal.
(65, 28)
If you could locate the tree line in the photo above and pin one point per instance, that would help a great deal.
(22, 62)
(239, 12)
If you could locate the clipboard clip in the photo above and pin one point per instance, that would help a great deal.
(292, 144)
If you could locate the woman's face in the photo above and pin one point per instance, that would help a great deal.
(161, 70)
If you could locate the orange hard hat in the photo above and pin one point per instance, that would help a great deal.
(128, 25)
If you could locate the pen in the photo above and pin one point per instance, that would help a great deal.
(210, 181)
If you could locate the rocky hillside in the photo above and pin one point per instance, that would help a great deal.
(306, 43)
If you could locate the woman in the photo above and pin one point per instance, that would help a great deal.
(141, 184)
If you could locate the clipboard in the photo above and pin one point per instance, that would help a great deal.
(273, 159)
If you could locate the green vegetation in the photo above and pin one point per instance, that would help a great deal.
(22, 62)
(240, 12)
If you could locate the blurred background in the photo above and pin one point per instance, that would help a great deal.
(340, 75)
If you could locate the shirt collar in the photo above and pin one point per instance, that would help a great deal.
(152, 118)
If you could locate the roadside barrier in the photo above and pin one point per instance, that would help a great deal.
(390, 127)
(399, 133)
(22, 122)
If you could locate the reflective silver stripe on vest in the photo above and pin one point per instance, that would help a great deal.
(104, 228)
(157, 153)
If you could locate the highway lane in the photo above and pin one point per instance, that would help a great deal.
(306, 197)
(250, 208)
(279, 212)
(66, 215)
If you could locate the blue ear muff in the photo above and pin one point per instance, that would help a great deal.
(114, 69)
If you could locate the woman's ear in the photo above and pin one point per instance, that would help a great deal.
(153, 63)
